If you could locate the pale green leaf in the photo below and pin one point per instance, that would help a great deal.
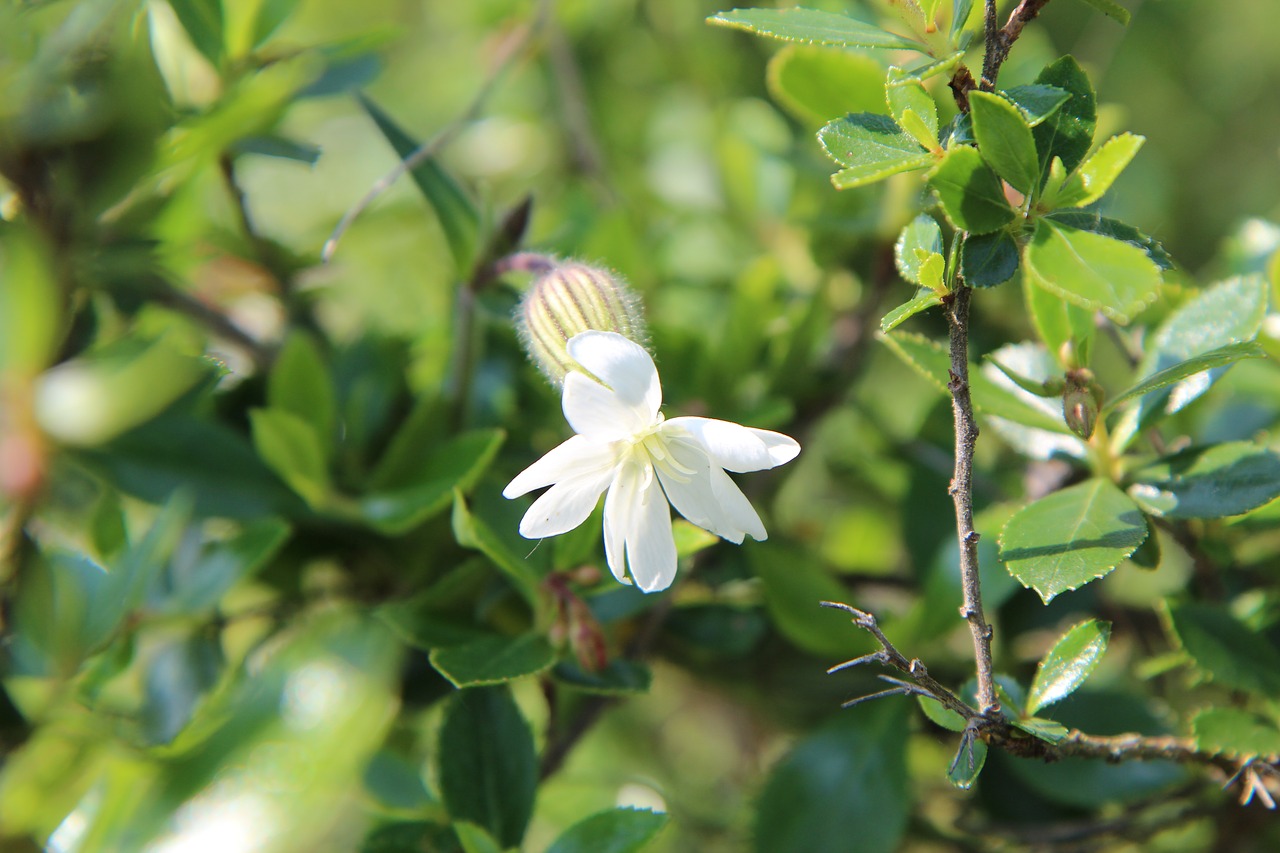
(290, 447)
(1092, 271)
(1068, 663)
(815, 83)
(1096, 174)
(1111, 9)
(1005, 140)
(920, 233)
(923, 301)
(815, 27)
(299, 384)
(908, 95)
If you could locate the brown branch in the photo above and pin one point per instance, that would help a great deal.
(966, 429)
(1000, 40)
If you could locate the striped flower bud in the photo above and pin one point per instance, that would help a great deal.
(570, 298)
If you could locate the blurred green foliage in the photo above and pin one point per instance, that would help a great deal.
(261, 591)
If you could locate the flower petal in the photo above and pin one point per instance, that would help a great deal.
(693, 495)
(577, 457)
(623, 365)
(597, 412)
(734, 447)
(637, 529)
(735, 505)
(565, 505)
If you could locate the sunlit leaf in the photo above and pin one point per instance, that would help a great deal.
(813, 26)
(1004, 140)
(1092, 271)
(871, 147)
(971, 194)
(1068, 664)
(1208, 482)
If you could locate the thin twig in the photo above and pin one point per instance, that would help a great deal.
(1000, 40)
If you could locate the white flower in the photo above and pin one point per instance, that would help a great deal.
(623, 444)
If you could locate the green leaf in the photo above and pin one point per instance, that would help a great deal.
(177, 676)
(1092, 271)
(1099, 224)
(1208, 482)
(933, 362)
(1096, 175)
(271, 14)
(1037, 101)
(1005, 141)
(472, 532)
(1058, 322)
(871, 148)
(612, 831)
(488, 769)
(1226, 650)
(1071, 537)
(202, 19)
(814, 83)
(923, 234)
(474, 839)
(792, 589)
(971, 195)
(923, 301)
(1211, 360)
(906, 94)
(1068, 664)
(620, 677)
(941, 715)
(493, 660)
(198, 585)
(815, 27)
(456, 465)
(457, 214)
(290, 447)
(1235, 732)
(29, 304)
(960, 10)
(850, 772)
(988, 260)
(1111, 9)
(932, 68)
(1067, 132)
(279, 147)
(968, 763)
(299, 384)
(1050, 731)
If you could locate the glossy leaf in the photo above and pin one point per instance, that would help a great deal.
(1092, 271)
(814, 27)
(1071, 537)
(1037, 101)
(1208, 482)
(908, 95)
(814, 83)
(1050, 731)
(1004, 140)
(871, 148)
(459, 219)
(940, 715)
(612, 831)
(988, 260)
(1226, 650)
(493, 660)
(488, 769)
(921, 234)
(1068, 131)
(1096, 174)
(971, 195)
(1068, 664)
(1213, 359)
(1233, 731)
(851, 772)
(923, 301)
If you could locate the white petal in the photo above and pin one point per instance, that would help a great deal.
(565, 505)
(735, 447)
(618, 506)
(693, 495)
(736, 506)
(637, 529)
(623, 365)
(598, 413)
(577, 457)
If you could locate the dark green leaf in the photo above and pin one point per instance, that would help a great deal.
(178, 675)
(1211, 360)
(1068, 132)
(1037, 101)
(395, 781)
(613, 831)
(923, 234)
(923, 301)
(202, 19)
(813, 26)
(1208, 482)
(1236, 732)
(299, 384)
(1092, 271)
(871, 148)
(199, 584)
(1226, 650)
(1071, 537)
(851, 772)
(279, 147)
(971, 195)
(493, 660)
(1004, 140)
(1068, 664)
(987, 260)
(472, 532)
(457, 214)
(620, 677)
(488, 769)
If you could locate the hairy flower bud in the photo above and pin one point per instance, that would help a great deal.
(569, 298)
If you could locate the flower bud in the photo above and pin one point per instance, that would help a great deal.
(1081, 402)
(570, 298)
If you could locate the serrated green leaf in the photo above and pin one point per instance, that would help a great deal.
(620, 677)
(1208, 482)
(1068, 132)
(1071, 537)
(923, 301)
(814, 27)
(1235, 732)
(1211, 360)
(871, 148)
(1098, 224)
(202, 19)
(1111, 9)
(920, 233)
(493, 660)
(299, 384)
(488, 769)
(459, 219)
(908, 95)
(932, 68)
(1049, 731)
(1226, 650)
(1037, 101)
(1068, 664)
(815, 83)
(1092, 271)
(290, 447)
(613, 831)
(933, 361)
(988, 260)
(1096, 174)
(972, 196)
(1005, 140)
